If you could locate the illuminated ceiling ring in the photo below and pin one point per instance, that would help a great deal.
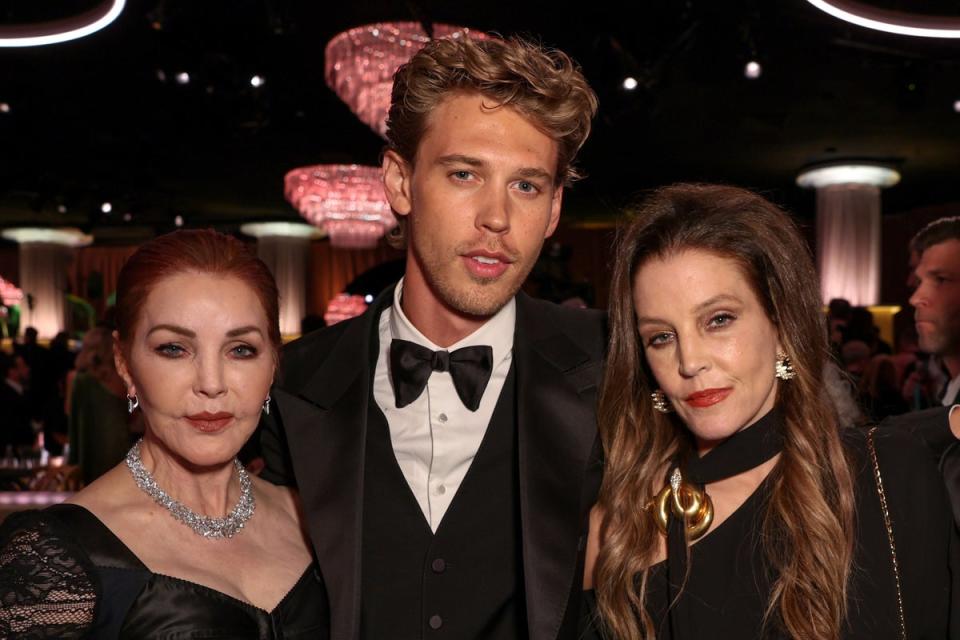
(848, 173)
(907, 24)
(78, 26)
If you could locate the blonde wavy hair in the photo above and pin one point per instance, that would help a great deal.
(808, 525)
(544, 85)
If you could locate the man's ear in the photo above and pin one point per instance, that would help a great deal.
(555, 204)
(397, 173)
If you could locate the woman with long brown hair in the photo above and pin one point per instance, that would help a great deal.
(734, 503)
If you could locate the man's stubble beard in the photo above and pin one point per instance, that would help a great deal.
(484, 297)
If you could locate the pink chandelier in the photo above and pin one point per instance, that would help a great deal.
(360, 63)
(9, 293)
(345, 200)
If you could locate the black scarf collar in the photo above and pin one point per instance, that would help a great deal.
(741, 452)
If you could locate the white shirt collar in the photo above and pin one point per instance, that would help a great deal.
(496, 332)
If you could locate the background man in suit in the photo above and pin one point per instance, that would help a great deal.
(936, 301)
(444, 443)
(937, 298)
(14, 378)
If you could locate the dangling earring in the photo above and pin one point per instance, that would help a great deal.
(660, 402)
(785, 370)
(132, 403)
(266, 406)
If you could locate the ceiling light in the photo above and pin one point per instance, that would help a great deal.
(106, 207)
(257, 81)
(41, 33)
(907, 24)
(281, 230)
(68, 237)
(183, 78)
(956, 106)
(346, 201)
(630, 83)
(752, 70)
(161, 75)
(61, 208)
(825, 176)
(178, 221)
(359, 64)
(4, 107)
(127, 217)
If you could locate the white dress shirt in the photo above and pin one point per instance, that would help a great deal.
(950, 392)
(435, 438)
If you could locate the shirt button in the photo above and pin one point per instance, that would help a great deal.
(442, 417)
(441, 490)
(436, 622)
(439, 565)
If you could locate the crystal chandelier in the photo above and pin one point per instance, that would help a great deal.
(344, 306)
(9, 293)
(345, 200)
(360, 63)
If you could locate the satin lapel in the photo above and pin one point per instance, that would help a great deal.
(325, 422)
(557, 433)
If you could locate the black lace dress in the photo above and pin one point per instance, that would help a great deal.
(64, 574)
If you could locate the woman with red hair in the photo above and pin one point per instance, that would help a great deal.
(178, 540)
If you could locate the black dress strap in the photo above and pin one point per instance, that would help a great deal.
(121, 575)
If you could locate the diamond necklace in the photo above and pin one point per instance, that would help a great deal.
(226, 527)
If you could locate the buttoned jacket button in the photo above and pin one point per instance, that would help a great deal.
(439, 565)
(436, 622)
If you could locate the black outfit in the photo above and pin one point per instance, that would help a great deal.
(507, 559)
(730, 582)
(64, 574)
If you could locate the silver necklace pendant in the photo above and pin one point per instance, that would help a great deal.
(226, 527)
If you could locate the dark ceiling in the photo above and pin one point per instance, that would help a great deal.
(102, 118)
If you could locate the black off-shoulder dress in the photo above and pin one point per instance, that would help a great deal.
(729, 584)
(64, 574)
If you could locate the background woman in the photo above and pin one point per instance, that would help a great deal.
(714, 393)
(178, 541)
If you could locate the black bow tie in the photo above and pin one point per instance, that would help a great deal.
(411, 365)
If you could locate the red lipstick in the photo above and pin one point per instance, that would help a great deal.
(708, 397)
(210, 422)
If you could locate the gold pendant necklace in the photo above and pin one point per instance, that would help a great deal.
(685, 501)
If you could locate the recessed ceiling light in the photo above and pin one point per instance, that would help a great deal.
(752, 70)
(127, 217)
(61, 208)
(257, 81)
(178, 221)
(161, 75)
(4, 107)
(183, 78)
(956, 106)
(630, 83)
(106, 207)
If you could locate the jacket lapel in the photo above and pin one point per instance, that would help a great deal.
(325, 421)
(557, 433)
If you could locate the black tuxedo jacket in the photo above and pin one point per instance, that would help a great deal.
(315, 439)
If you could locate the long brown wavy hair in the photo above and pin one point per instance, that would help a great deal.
(808, 525)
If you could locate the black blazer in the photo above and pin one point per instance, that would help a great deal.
(315, 437)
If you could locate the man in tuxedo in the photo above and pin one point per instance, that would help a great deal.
(444, 443)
